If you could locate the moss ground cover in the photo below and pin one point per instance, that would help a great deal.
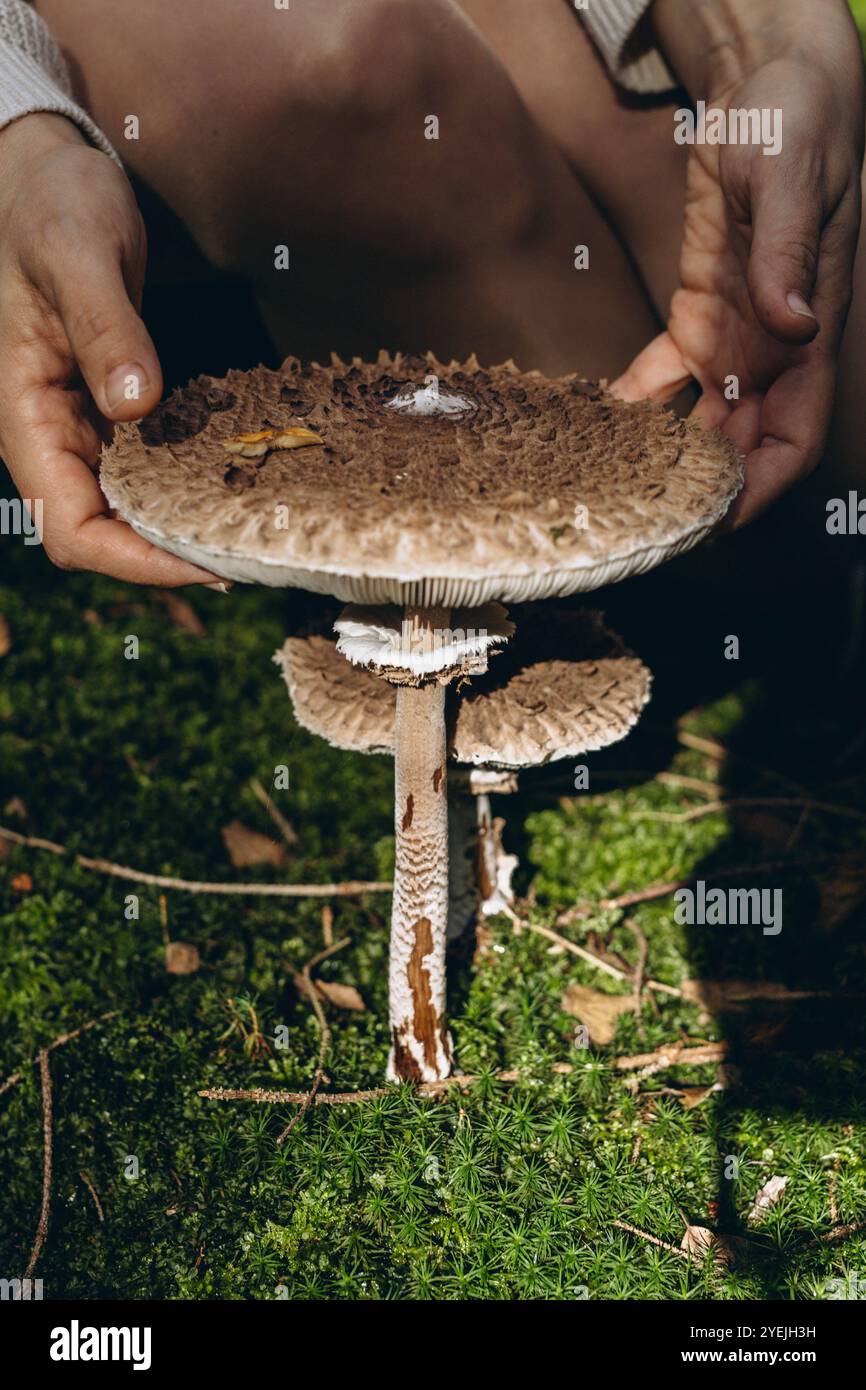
(508, 1191)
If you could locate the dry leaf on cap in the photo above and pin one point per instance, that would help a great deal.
(180, 610)
(598, 1012)
(341, 996)
(181, 958)
(5, 636)
(246, 846)
(725, 1250)
(767, 1197)
(255, 446)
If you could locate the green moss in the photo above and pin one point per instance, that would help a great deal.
(508, 1192)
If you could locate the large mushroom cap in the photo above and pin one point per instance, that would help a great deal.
(482, 484)
(569, 686)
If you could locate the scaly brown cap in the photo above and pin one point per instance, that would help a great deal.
(481, 484)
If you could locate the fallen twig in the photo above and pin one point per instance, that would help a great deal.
(661, 890)
(719, 753)
(59, 1042)
(653, 1240)
(724, 804)
(305, 982)
(92, 1190)
(681, 1054)
(640, 968)
(837, 1233)
(285, 827)
(593, 959)
(349, 889)
(425, 1089)
(47, 1147)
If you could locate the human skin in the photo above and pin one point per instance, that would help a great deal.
(463, 244)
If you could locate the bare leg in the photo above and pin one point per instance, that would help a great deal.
(307, 128)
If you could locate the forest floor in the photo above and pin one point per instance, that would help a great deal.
(581, 1177)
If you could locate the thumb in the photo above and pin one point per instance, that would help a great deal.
(658, 373)
(783, 261)
(111, 345)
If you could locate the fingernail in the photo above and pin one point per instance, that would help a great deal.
(798, 305)
(222, 586)
(126, 383)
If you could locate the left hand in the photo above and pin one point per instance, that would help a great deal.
(766, 271)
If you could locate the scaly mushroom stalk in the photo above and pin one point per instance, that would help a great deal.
(421, 1046)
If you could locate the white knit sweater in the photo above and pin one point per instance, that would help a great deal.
(33, 75)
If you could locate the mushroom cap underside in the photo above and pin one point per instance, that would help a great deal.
(567, 685)
(534, 487)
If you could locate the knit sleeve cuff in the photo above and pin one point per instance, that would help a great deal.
(25, 88)
(633, 62)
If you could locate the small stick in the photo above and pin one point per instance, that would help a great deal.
(643, 951)
(653, 1240)
(713, 807)
(674, 1055)
(48, 1138)
(305, 980)
(59, 1042)
(424, 1089)
(592, 959)
(328, 924)
(661, 890)
(92, 1190)
(285, 828)
(838, 1233)
(265, 890)
(719, 753)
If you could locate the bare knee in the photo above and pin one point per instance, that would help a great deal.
(392, 126)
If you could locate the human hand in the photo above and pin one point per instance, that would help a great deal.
(74, 353)
(766, 263)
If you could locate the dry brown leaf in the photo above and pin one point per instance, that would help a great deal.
(180, 610)
(690, 1096)
(246, 846)
(22, 883)
(15, 806)
(767, 1197)
(341, 996)
(256, 445)
(598, 1012)
(181, 958)
(725, 1250)
(5, 636)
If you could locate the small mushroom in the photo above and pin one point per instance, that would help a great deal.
(614, 488)
(566, 687)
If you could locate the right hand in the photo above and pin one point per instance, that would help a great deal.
(74, 353)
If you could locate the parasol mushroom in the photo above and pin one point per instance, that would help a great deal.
(568, 686)
(406, 482)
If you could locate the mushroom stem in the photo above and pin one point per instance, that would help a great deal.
(421, 1046)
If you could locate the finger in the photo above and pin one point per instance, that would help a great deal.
(793, 427)
(712, 410)
(110, 343)
(783, 258)
(658, 373)
(76, 530)
(834, 285)
(743, 425)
